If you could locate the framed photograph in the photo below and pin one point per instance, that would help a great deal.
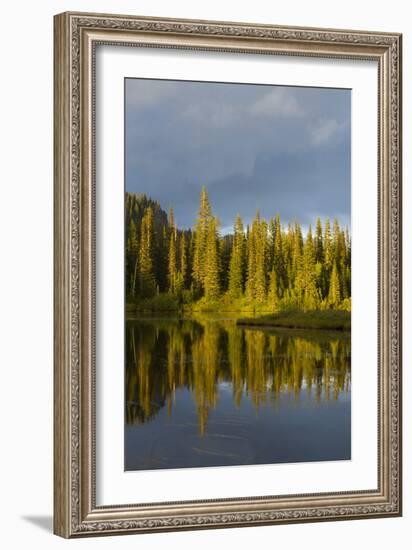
(227, 274)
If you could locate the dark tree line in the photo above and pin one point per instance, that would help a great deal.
(263, 263)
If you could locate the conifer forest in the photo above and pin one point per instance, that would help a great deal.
(263, 266)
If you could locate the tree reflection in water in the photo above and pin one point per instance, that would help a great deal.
(163, 355)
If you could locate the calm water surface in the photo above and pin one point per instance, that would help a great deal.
(204, 392)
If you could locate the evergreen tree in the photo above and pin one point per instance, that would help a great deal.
(211, 275)
(172, 253)
(278, 256)
(342, 264)
(146, 278)
(261, 260)
(288, 240)
(310, 292)
(319, 259)
(348, 247)
(257, 260)
(171, 219)
(162, 271)
(334, 296)
(251, 263)
(328, 247)
(201, 234)
(318, 242)
(273, 297)
(183, 260)
(296, 252)
(337, 243)
(132, 255)
(172, 262)
(271, 242)
(225, 245)
(237, 260)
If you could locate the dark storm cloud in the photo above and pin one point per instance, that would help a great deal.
(279, 149)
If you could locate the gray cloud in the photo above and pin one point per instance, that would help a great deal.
(279, 149)
(324, 130)
(277, 102)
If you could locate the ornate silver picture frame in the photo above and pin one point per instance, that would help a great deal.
(76, 510)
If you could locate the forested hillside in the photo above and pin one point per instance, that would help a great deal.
(264, 266)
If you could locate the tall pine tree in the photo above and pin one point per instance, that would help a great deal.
(237, 260)
(146, 277)
(132, 256)
(200, 240)
(334, 296)
(211, 273)
(172, 258)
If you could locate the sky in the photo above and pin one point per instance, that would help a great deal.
(279, 149)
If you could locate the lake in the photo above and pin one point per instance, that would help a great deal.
(203, 392)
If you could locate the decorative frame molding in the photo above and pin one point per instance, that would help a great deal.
(75, 38)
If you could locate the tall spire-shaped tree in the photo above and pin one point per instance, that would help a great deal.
(273, 297)
(342, 262)
(171, 219)
(334, 296)
(348, 246)
(251, 263)
(211, 276)
(201, 234)
(132, 255)
(320, 259)
(310, 291)
(146, 277)
(261, 260)
(287, 244)
(271, 243)
(237, 260)
(327, 246)
(183, 259)
(296, 250)
(257, 256)
(278, 257)
(172, 264)
(318, 242)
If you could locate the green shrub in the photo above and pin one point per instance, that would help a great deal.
(160, 302)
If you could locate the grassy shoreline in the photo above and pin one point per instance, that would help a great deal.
(327, 319)
(169, 303)
(319, 320)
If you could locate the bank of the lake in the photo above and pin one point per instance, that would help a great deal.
(262, 313)
(317, 319)
(247, 314)
(171, 303)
